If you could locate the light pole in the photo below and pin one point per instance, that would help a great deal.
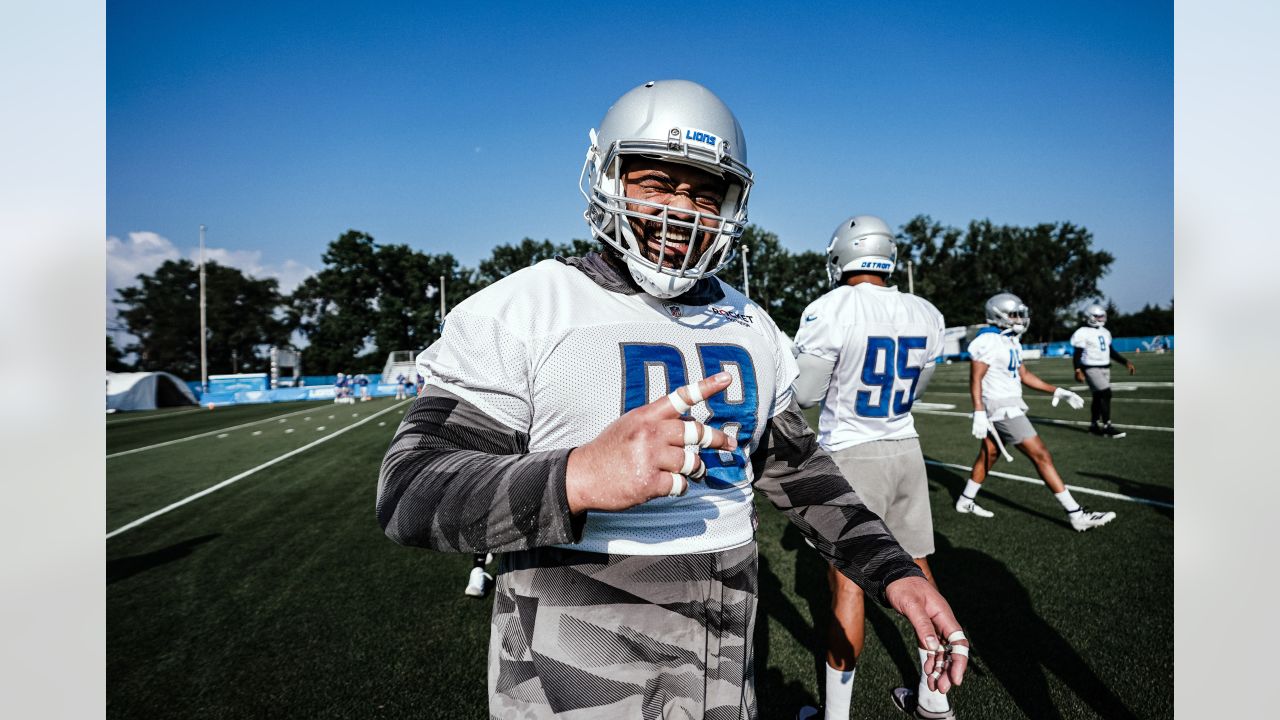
(204, 362)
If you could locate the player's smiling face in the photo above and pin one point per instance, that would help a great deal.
(684, 189)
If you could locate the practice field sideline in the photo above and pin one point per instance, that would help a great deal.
(277, 594)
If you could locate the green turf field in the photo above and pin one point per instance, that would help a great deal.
(277, 595)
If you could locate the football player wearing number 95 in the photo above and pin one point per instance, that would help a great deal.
(866, 351)
(602, 421)
(996, 377)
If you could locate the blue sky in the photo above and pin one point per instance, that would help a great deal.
(454, 128)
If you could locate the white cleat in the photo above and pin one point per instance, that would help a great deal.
(965, 506)
(1084, 519)
(478, 584)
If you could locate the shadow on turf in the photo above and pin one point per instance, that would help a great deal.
(776, 697)
(954, 483)
(127, 567)
(1138, 489)
(1010, 640)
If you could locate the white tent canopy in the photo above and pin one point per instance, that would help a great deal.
(146, 391)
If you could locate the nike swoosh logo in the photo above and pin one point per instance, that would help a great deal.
(811, 318)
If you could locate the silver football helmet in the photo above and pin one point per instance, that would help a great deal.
(675, 121)
(1007, 312)
(1095, 315)
(861, 243)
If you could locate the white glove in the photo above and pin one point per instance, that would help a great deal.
(1075, 401)
(981, 426)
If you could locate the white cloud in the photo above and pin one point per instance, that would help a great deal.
(289, 274)
(142, 252)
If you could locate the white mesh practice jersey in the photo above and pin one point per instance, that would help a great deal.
(1096, 343)
(879, 339)
(1002, 385)
(548, 352)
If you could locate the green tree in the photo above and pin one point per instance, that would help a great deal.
(1051, 266)
(508, 259)
(335, 309)
(163, 310)
(1150, 320)
(115, 358)
(372, 299)
(782, 282)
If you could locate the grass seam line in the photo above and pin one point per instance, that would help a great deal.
(157, 416)
(1051, 421)
(211, 432)
(1072, 488)
(247, 473)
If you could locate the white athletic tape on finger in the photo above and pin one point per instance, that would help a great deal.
(678, 403)
(935, 674)
(690, 432)
(961, 650)
(707, 437)
(677, 485)
(700, 473)
(690, 461)
(957, 635)
(695, 393)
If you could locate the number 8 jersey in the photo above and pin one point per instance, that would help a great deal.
(879, 340)
(550, 352)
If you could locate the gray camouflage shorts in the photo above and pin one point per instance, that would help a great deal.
(578, 635)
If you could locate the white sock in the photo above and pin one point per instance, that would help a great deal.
(930, 700)
(1068, 503)
(971, 489)
(839, 692)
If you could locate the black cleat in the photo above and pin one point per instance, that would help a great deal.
(1110, 431)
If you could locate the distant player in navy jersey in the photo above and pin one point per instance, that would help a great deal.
(602, 422)
(996, 378)
(1092, 354)
(866, 352)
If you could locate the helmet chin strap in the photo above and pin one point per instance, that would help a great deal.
(657, 284)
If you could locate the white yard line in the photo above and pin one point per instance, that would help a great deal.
(246, 473)
(1050, 398)
(1050, 421)
(1072, 488)
(212, 432)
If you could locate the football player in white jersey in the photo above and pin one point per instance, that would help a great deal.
(1092, 354)
(996, 378)
(866, 351)
(602, 422)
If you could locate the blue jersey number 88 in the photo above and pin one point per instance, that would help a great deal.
(723, 469)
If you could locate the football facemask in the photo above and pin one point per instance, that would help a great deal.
(1007, 312)
(679, 122)
(1095, 316)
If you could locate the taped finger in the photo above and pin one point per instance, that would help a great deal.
(691, 432)
(690, 461)
(678, 403)
(678, 485)
(707, 437)
(955, 636)
(961, 650)
(695, 393)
